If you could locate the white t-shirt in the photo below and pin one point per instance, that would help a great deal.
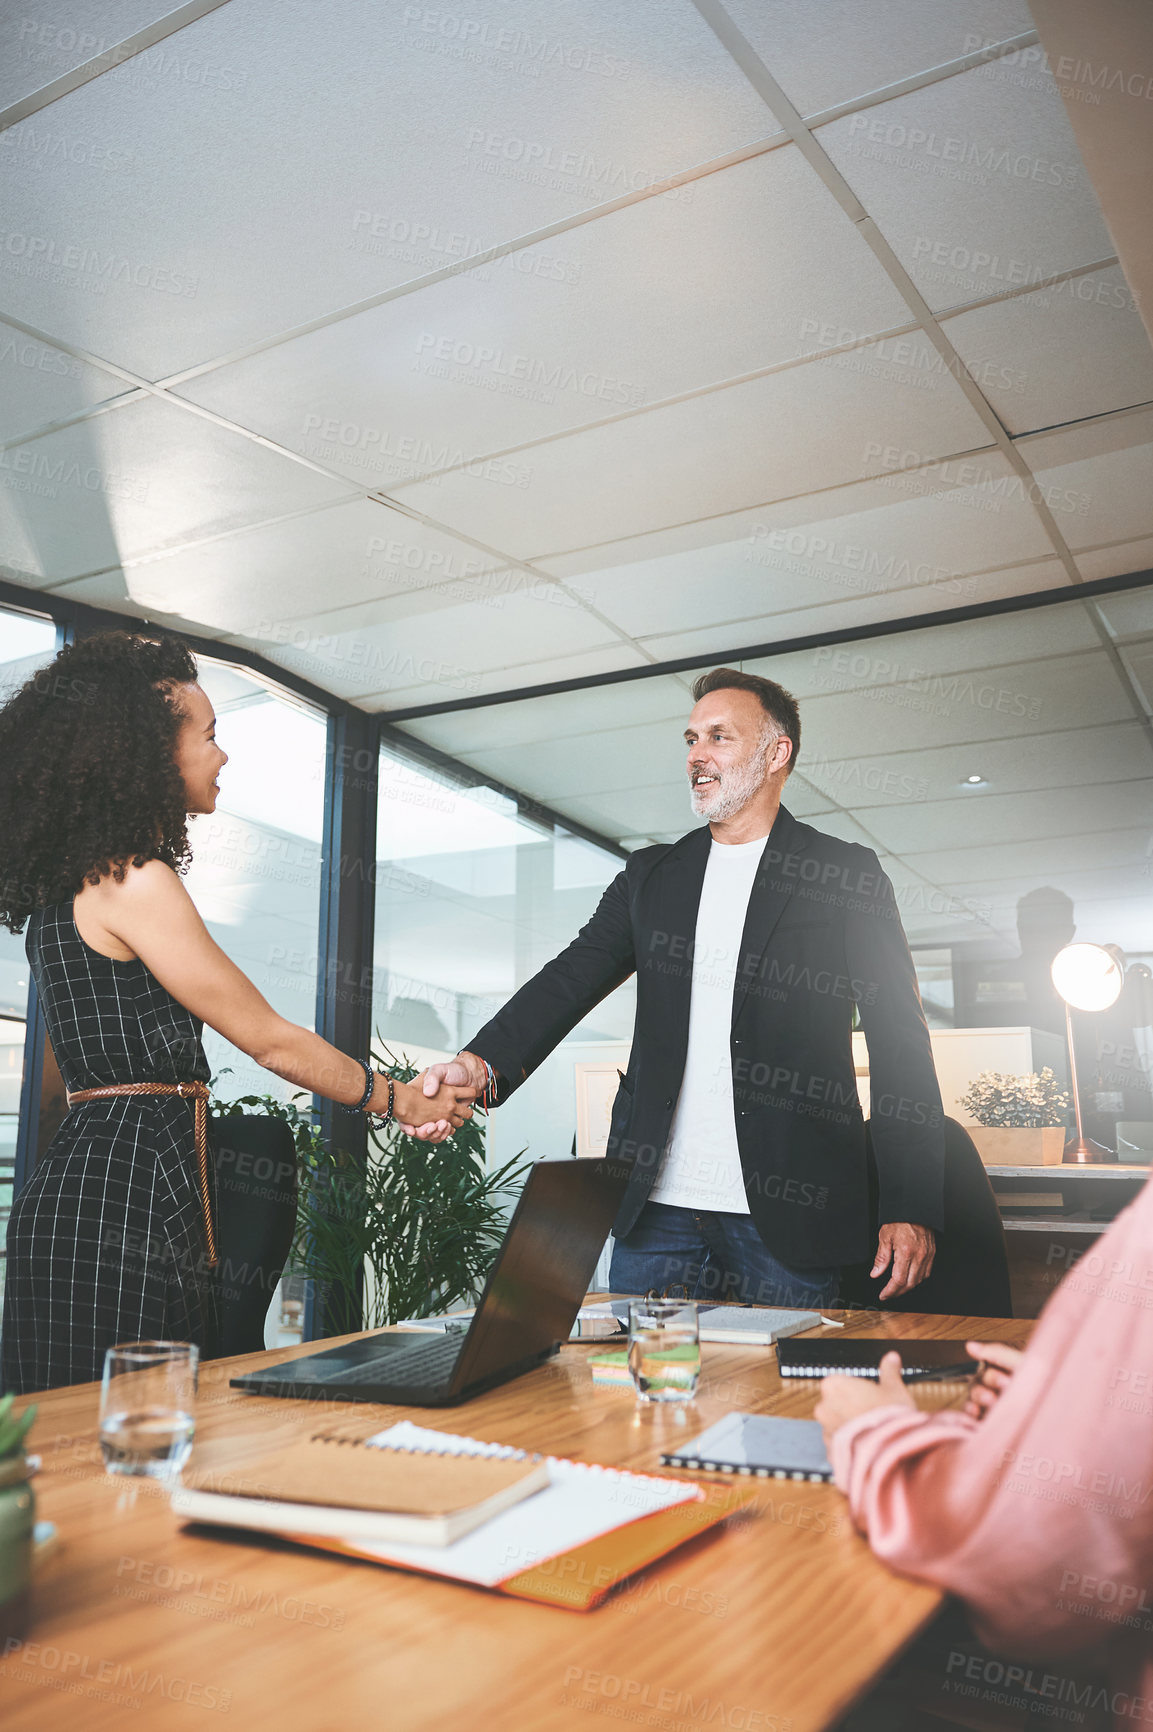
(702, 1164)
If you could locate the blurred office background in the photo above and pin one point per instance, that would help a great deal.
(463, 383)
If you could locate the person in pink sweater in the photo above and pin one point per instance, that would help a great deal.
(1035, 1505)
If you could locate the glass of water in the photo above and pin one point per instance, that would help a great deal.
(664, 1349)
(147, 1407)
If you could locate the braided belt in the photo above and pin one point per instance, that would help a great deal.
(196, 1092)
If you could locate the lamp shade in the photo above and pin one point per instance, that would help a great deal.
(1087, 976)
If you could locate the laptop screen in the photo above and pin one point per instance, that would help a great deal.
(542, 1271)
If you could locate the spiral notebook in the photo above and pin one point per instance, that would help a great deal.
(567, 1545)
(861, 1355)
(758, 1444)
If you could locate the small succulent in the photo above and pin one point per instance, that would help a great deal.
(13, 1428)
(1030, 1100)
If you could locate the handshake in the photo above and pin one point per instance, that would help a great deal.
(440, 1099)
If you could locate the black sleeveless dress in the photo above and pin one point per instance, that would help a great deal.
(106, 1240)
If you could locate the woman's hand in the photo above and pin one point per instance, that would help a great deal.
(997, 1365)
(432, 1118)
(845, 1398)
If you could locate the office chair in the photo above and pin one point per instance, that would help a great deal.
(971, 1272)
(255, 1222)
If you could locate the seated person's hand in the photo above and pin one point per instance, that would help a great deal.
(432, 1116)
(845, 1398)
(997, 1365)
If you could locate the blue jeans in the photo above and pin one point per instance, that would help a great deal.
(710, 1254)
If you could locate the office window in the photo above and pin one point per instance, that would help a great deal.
(255, 875)
(473, 895)
(26, 643)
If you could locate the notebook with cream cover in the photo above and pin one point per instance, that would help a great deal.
(325, 1484)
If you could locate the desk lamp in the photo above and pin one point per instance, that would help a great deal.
(1087, 977)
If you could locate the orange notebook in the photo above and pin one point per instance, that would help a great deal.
(567, 1545)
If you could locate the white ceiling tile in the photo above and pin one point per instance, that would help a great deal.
(1129, 614)
(573, 330)
(1120, 752)
(1060, 354)
(1100, 476)
(43, 42)
(976, 183)
(819, 563)
(825, 52)
(389, 667)
(40, 384)
(792, 619)
(257, 186)
(1117, 560)
(558, 716)
(1071, 849)
(815, 425)
(1001, 818)
(134, 481)
(299, 580)
(882, 695)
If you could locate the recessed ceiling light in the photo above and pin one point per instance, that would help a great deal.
(974, 782)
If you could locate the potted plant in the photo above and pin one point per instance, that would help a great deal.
(17, 1520)
(411, 1234)
(1020, 1119)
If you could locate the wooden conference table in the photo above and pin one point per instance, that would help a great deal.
(784, 1617)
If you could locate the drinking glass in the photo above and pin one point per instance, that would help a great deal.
(147, 1404)
(664, 1349)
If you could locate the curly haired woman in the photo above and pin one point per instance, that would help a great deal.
(103, 756)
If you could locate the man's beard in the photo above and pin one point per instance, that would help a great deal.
(733, 790)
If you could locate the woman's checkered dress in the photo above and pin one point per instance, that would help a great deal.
(106, 1240)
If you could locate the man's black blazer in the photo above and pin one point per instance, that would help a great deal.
(822, 934)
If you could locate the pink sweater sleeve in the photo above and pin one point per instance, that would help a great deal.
(1039, 1517)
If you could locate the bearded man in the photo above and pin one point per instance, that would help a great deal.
(752, 939)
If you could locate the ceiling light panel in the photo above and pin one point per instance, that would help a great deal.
(812, 426)
(825, 52)
(976, 182)
(43, 42)
(1099, 476)
(132, 482)
(40, 384)
(1076, 349)
(574, 330)
(232, 226)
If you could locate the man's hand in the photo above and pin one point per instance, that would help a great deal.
(466, 1070)
(998, 1364)
(845, 1398)
(910, 1249)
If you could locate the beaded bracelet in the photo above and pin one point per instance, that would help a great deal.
(385, 1118)
(369, 1085)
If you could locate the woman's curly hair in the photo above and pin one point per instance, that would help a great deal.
(88, 777)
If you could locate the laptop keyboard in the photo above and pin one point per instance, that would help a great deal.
(431, 1362)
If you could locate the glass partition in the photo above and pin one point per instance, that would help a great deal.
(26, 643)
(255, 874)
(473, 895)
